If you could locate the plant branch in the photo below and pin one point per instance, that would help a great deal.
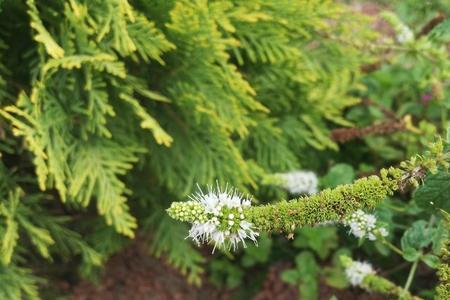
(411, 274)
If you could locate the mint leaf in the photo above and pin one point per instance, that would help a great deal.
(320, 239)
(290, 276)
(431, 260)
(309, 279)
(417, 236)
(257, 254)
(338, 174)
(411, 254)
(435, 192)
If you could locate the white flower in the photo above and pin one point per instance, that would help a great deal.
(404, 34)
(300, 182)
(220, 225)
(365, 225)
(201, 233)
(383, 231)
(357, 271)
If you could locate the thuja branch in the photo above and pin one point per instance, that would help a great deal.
(227, 218)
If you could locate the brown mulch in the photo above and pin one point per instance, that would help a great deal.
(274, 288)
(133, 274)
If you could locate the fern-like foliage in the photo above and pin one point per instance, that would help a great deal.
(179, 252)
(117, 100)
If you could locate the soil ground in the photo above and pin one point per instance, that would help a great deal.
(133, 274)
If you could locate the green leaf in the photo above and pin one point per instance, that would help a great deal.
(431, 260)
(257, 254)
(9, 241)
(9, 237)
(148, 122)
(440, 235)
(338, 174)
(335, 277)
(42, 35)
(441, 33)
(18, 283)
(382, 248)
(411, 254)
(169, 241)
(40, 237)
(309, 275)
(434, 193)
(448, 125)
(290, 276)
(380, 146)
(320, 239)
(224, 272)
(335, 274)
(417, 236)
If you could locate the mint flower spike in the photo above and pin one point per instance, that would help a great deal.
(300, 182)
(363, 225)
(357, 271)
(362, 274)
(217, 216)
(227, 218)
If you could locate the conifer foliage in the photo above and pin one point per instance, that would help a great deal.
(111, 110)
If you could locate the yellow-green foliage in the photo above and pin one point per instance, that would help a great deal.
(115, 108)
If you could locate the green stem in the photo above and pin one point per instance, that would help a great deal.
(395, 208)
(392, 246)
(411, 274)
(444, 119)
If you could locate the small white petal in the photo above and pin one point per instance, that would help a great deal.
(213, 202)
(300, 182)
(357, 271)
(246, 202)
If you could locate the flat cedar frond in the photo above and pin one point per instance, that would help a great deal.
(94, 94)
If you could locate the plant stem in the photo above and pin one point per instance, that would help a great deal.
(410, 278)
(392, 247)
(412, 272)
